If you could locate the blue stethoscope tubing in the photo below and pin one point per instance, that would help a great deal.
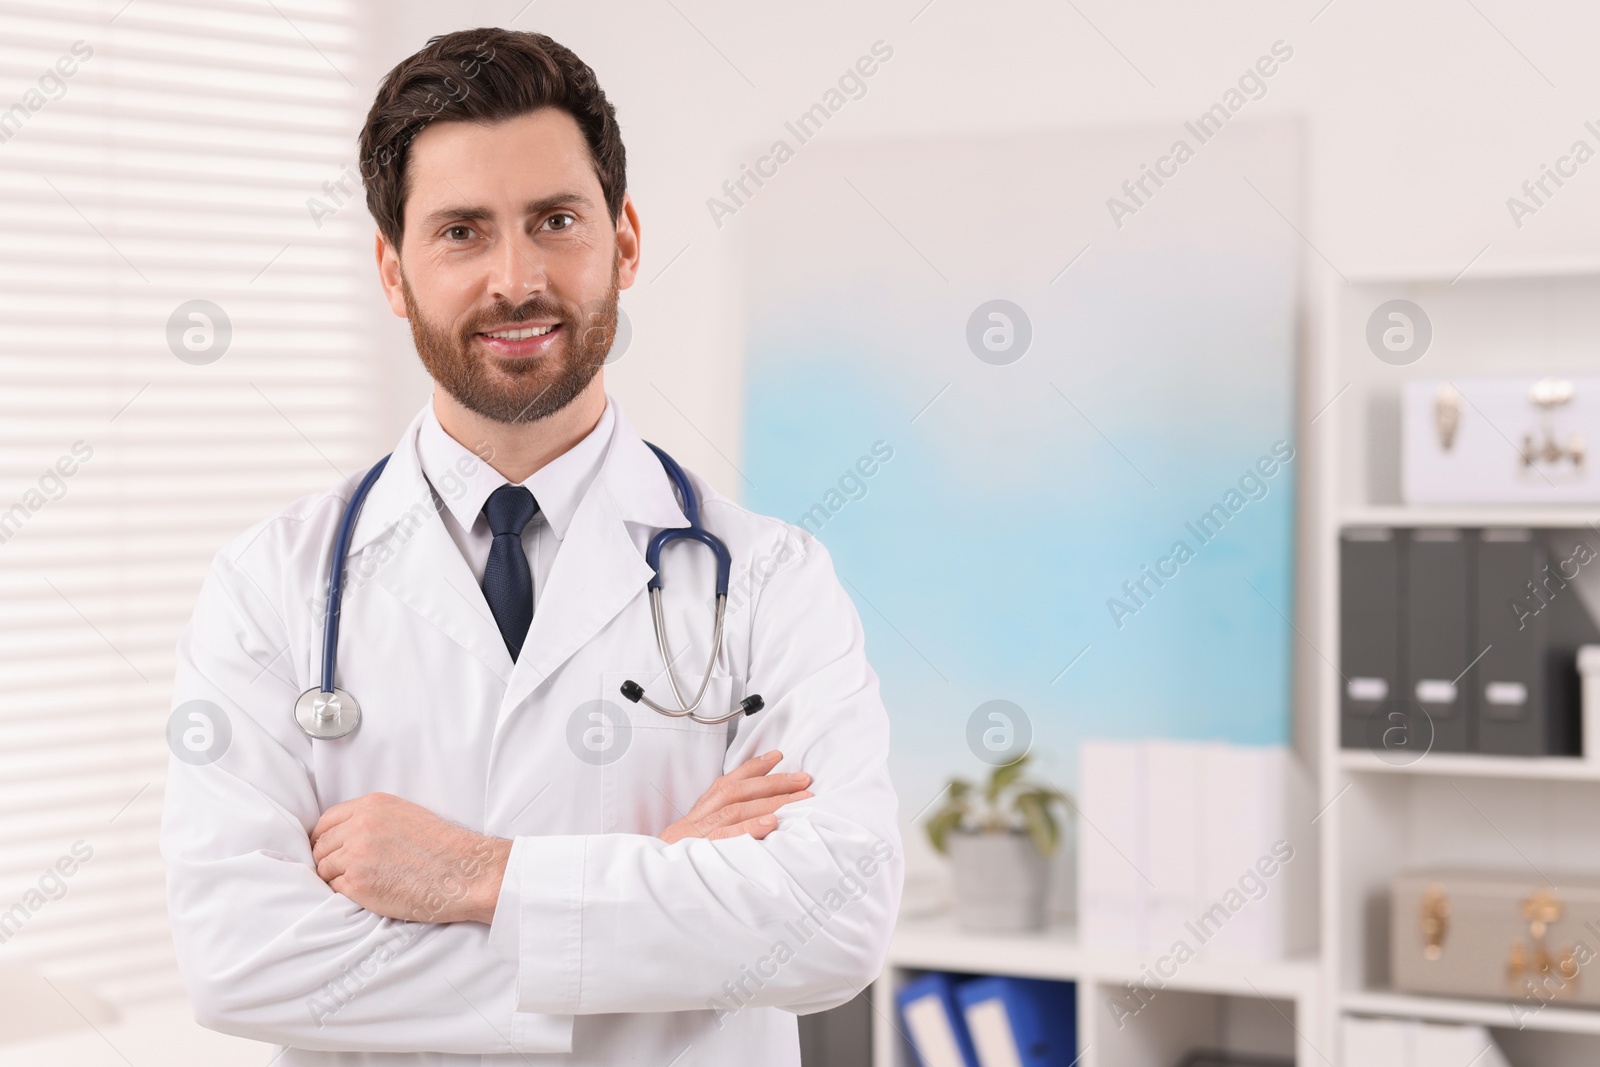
(652, 556)
(327, 713)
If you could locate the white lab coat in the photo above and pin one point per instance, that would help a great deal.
(608, 946)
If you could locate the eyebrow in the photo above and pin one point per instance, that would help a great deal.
(532, 207)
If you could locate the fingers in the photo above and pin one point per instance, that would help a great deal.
(333, 817)
(749, 781)
(327, 840)
(742, 801)
(346, 809)
(747, 814)
(754, 809)
(364, 812)
(727, 794)
(756, 828)
(755, 766)
(330, 867)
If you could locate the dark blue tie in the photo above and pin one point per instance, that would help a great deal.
(507, 581)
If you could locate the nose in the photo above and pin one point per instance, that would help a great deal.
(517, 269)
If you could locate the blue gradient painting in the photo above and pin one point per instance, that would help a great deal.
(1099, 531)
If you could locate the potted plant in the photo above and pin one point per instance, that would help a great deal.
(997, 839)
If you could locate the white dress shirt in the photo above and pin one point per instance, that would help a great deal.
(461, 482)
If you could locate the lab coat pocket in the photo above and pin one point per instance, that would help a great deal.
(669, 761)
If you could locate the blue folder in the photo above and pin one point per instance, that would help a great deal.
(933, 1022)
(1025, 1021)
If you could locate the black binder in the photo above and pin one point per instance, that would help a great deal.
(1438, 637)
(1369, 634)
(1517, 714)
(1569, 629)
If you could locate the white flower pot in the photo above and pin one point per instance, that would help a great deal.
(998, 881)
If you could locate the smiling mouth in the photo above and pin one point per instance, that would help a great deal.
(531, 341)
(521, 333)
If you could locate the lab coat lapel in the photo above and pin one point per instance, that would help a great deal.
(597, 571)
(431, 577)
(600, 568)
(403, 544)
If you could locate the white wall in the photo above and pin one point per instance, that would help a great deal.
(1422, 118)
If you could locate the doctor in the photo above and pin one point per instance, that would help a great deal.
(508, 862)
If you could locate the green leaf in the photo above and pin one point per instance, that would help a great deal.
(1039, 820)
(956, 809)
(1004, 777)
(941, 823)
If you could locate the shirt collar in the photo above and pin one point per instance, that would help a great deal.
(464, 481)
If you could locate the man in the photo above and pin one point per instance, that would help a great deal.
(505, 857)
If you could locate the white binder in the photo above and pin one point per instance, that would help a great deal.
(1409, 1043)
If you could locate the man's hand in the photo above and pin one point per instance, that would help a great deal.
(741, 802)
(399, 859)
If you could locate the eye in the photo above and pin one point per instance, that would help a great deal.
(572, 220)
(450, 231)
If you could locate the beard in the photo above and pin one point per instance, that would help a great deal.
(522, 390)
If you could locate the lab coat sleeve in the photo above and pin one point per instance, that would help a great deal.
(800, 920)
(265, 948)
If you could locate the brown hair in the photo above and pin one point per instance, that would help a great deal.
(484, 75)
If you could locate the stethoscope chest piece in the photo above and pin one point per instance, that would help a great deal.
(326, 716)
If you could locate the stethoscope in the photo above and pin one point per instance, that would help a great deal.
(327, 712)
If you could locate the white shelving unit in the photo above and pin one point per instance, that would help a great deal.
(1376, 817)
(1383, 816)
(1258, 1007)
(1484, 1012)
(1548, 517)
(1469, 765)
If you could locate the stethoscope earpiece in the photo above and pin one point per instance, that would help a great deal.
(751, 704)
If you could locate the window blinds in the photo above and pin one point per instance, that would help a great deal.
(180, 254)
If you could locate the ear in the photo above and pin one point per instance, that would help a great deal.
(627, 244)
(388, 258)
